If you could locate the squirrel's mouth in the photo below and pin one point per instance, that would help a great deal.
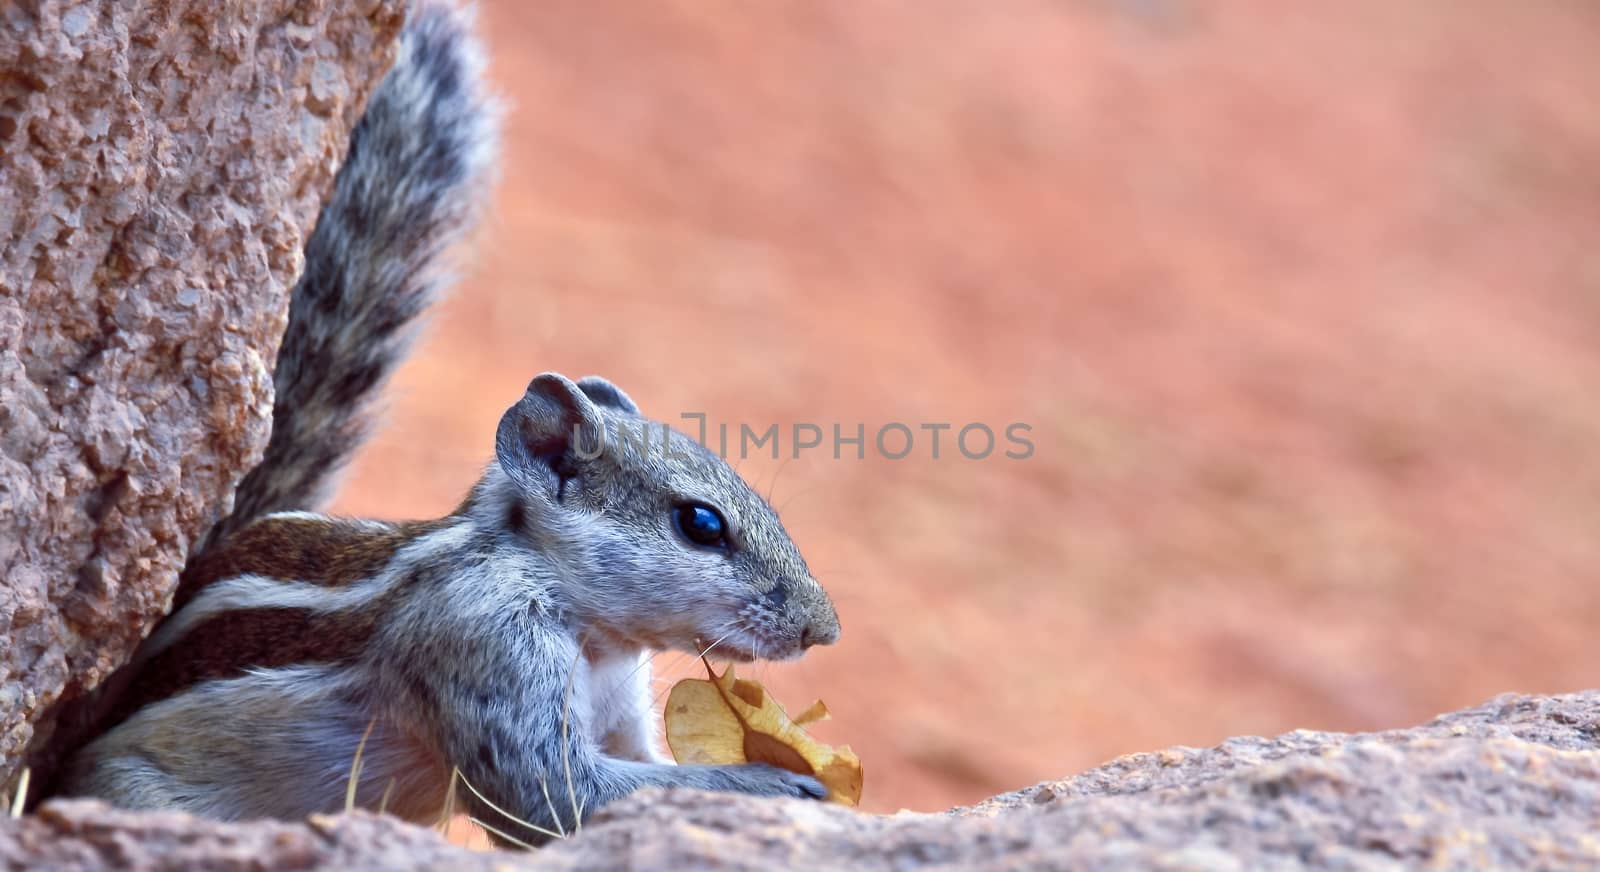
(729, 653)
(743, 643)
(738, 648)
(749, 650)
(729, 650)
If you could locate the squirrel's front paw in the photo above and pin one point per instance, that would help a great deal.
(767, 780)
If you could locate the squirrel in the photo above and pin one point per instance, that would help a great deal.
(507, 642)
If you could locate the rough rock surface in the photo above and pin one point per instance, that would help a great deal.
(160, 165)
(1512, 784)
(84, 834)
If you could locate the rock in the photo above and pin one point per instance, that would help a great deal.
(86, 834)
(160, 165)
(1512, 784)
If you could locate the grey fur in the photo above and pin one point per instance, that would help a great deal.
(607, 394)
(411, 185)
(512, 642)
(530, 637)
(510, 639)
(613, 515)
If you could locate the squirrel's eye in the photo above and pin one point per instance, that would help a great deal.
(702, 525)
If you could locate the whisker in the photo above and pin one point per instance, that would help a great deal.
(671, 667)
(733, 627)
(772, 485)
(790, 501)
(720, 640)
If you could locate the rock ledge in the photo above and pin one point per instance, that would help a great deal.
(1513, 783)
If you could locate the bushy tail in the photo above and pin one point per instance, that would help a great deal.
(412, 183)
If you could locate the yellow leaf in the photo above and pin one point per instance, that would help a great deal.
(726, 719)
(817, 712)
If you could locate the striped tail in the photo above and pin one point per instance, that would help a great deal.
(412, 185)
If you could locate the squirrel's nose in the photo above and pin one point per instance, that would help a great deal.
(824, 632)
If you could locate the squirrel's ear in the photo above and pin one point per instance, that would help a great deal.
(542, 425)
(606, 394)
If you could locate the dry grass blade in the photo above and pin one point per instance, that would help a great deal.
(383, 803)
(355, 768)
(21, 797)
(449, 810)
(508, 815)
(545, 786)
(512, 839)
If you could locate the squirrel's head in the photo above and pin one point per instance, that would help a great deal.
(656, 540)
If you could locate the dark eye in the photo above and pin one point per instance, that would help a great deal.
(702, 525)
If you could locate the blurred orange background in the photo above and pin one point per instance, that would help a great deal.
(1302, 303)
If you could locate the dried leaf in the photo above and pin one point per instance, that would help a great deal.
(726, 719)
(817, 712)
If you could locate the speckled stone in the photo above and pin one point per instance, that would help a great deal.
(160, 166)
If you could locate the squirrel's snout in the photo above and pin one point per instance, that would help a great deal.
(819, 634)
(822, 629)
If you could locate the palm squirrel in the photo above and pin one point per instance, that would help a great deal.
(508, 640)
